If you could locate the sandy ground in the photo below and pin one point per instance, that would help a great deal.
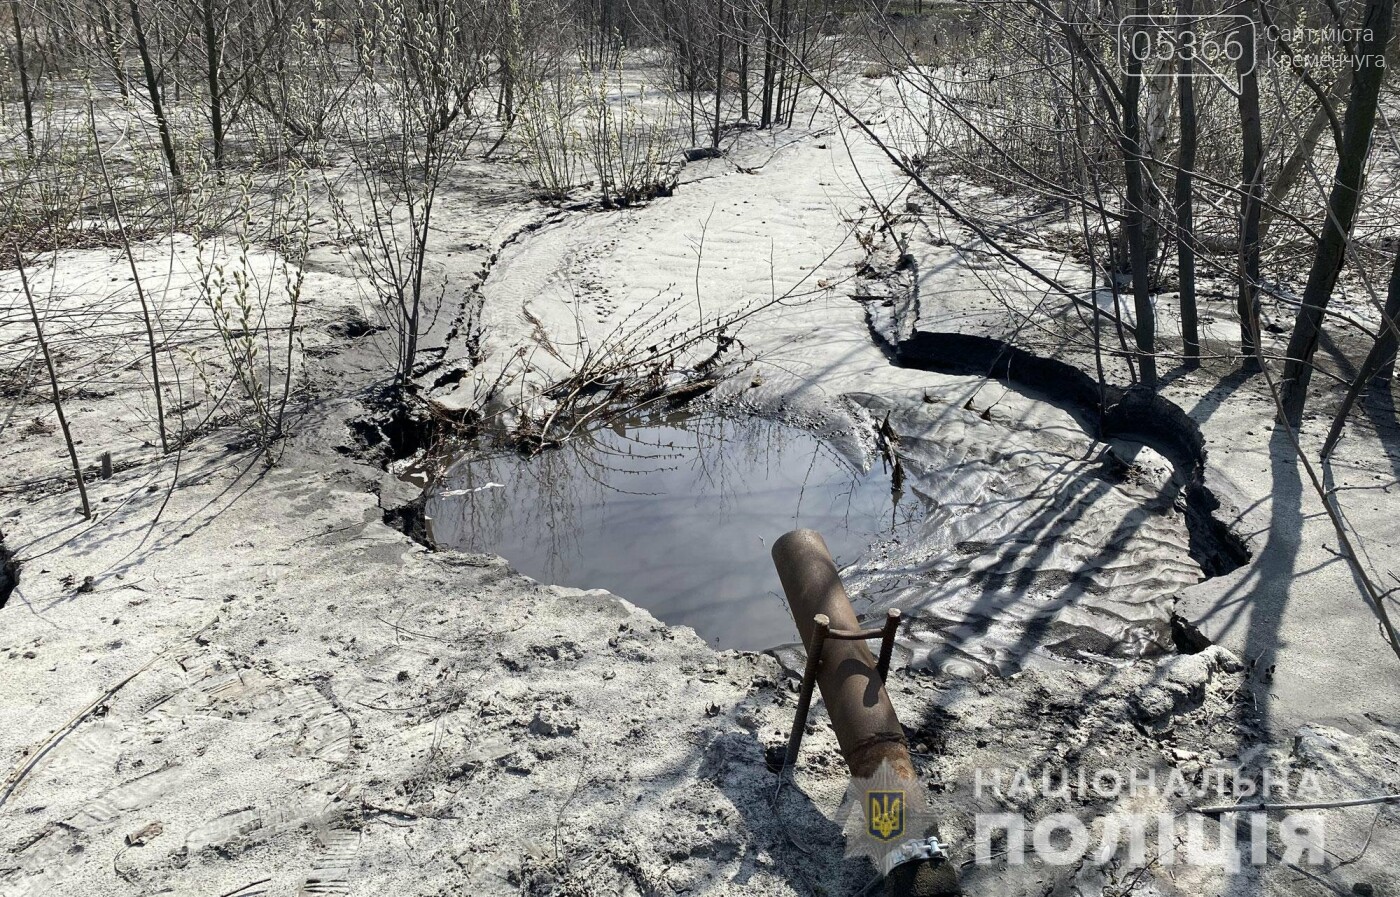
(240, 680)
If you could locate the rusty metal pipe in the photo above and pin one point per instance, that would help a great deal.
(861, 713)
(852, 685)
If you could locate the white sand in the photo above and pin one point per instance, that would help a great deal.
(273, 692)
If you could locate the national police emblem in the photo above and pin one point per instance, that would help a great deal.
(882, 813)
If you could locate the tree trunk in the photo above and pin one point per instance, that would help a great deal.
(1341, 205)
(135, 279)
(167, 143)
(719, 87)
(745, 100)
(211, 52)
(1379, 364)
(605, 27)
(1185, 213)
(509, 47)
(1252, 177)
(766, 115)
(1135, 215)
(26, 92)
(1385, 370)
(113, 42)
(53, 386)
(779, 104)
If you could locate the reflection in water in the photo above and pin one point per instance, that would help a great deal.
(673, 513)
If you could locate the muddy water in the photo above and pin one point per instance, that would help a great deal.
(675, 513)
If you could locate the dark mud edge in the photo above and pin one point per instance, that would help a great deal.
(1109, 412)
(393, 428)
(9, 571)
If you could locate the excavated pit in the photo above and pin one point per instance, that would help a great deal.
(673, 512)
(552, 515)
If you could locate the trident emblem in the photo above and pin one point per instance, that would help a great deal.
(884, 814)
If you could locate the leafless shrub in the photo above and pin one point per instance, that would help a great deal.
(412, 122)
(254, 310)
(631, 147)
(553, 148)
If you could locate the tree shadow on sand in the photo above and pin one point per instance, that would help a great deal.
(805, 846)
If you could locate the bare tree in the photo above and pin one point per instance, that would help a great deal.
(26, 89)
(55, 393)
(156, 96)
(1341, 206)
(236, 37)
(112, 45)
(1185, 186)
(1135, 211)
(416, 120)
(146, 316)
(1251, 201)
